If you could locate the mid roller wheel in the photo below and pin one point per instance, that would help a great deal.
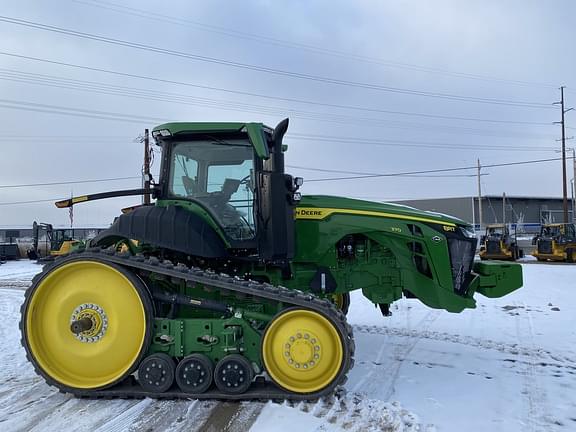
(86, 324)
(233, 374)
(156, 373)
(194, 373)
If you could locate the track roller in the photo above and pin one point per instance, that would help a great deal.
(233, 374)
(156, 373)
(194, 373)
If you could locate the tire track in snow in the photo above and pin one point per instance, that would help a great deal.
(514, 349)
(125, 420)
(196, 415)
(191, 415)
(245, 417)
(15, 284)
(165, 414)
(85, 415)
(369, 385)
(13, 358)
(173, 415)
(21, 276)
(353, 412)
(24, 398)
(401, 353)
(537, 412)
(31, 409)
(232, 417)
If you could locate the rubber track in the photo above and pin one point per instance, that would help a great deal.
(259, 390)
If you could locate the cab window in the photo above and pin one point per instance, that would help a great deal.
(219, 174)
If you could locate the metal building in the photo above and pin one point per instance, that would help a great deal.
(527, 213)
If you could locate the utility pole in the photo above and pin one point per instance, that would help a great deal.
(573, 183)
(479, 198)
(146, 170)
(564, 189)
(563, 111)
(504, 209)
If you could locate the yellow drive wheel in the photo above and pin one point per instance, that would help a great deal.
(86, 324)
(302, 351)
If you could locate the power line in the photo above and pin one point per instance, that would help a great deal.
(367, 173)
(268, 70)
(156, 16)
(52, 109)
(103, 115)
(407, 143)
(402, 174)
(265, 110)
(56, 81)
(429, 171)
(5, 137)
(269, 97)
(77, 112)
(139, 177)
(68, 182)
(293, 136)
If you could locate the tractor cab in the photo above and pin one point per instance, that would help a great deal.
(222, 191)
(556, 242)
(234, 174)
(219, 176)
(499, 243)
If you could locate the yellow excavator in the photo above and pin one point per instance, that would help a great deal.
(499, 243)
(59, 241)
(556, 242)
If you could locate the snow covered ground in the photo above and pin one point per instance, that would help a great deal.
(509, 365)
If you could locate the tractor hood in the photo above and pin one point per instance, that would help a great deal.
(322, 206)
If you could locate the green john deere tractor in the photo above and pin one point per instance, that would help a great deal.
(232, 285)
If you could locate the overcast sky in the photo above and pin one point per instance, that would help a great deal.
(384, 86)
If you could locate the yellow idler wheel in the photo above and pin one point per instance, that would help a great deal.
(341, 301)
(86, 324)
(302, 351)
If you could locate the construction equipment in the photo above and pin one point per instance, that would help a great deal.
(498, 243)
(59, 241)
(227, 286)
(9, 250)
(556, 242)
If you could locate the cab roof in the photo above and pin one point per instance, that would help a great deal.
(255, 132)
